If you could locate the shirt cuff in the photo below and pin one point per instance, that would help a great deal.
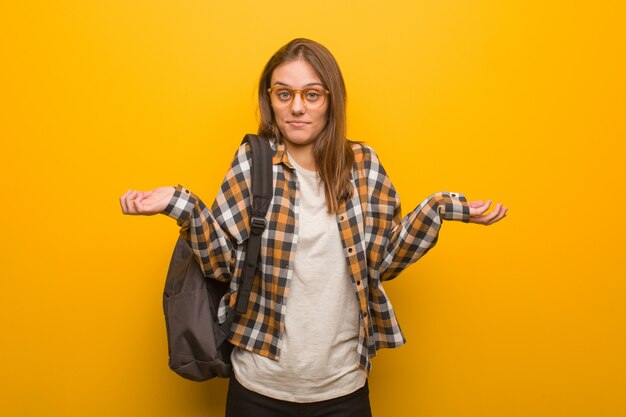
(181, 204)
(453, 206)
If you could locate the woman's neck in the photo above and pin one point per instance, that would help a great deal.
(302, 154)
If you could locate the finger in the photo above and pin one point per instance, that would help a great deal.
(484, 220)
(490, 218)
(495, 213)
(480, 210)
(130, 202)
(476, 204)
(126, 201)
(138, 206)
(123, 202)
(143, 195)
(501, 216)
(146, 194)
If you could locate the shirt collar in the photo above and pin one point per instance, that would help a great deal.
(281, 155)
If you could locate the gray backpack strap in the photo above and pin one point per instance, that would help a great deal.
(262, 192)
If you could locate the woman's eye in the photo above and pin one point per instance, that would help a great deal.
(313, 95)
(283, 95)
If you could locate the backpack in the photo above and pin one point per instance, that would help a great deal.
(197, 345)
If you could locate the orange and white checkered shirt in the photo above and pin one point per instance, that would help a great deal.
(378, 244)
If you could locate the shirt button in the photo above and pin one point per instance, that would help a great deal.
(358, 283)
(350, 250)
(453, 194)
(364, 314)
(342, 217)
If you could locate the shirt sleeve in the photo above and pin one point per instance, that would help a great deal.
(214, 235)
(404, 240)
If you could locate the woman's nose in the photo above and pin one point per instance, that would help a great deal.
(297, 105)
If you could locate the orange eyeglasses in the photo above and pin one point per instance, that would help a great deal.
(312, 97)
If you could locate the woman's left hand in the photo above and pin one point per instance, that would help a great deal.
(478, 208)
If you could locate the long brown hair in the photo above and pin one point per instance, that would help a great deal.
(332, 151)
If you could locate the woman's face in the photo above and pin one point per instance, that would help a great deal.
(299, 124)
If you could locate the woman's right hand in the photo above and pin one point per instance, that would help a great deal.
(146, 203)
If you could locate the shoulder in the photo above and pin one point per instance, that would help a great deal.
(365, 156)
(368, 167)
(243, 155)
(238, 175)
(241, 164)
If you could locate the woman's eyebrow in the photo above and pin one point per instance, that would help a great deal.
(306, 85)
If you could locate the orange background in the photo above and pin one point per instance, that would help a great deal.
(519, 101)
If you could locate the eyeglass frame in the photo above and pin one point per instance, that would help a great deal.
(301, 92)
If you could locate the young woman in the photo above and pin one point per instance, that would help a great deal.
(318, 313)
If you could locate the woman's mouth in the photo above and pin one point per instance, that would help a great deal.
(297, 123)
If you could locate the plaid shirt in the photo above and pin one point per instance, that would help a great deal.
(378, 244)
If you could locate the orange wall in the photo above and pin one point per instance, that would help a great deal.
(517, 101)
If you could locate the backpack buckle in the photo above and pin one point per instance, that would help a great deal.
(258, 224)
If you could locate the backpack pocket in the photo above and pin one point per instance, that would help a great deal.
(193, 350)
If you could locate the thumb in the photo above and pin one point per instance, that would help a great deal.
(143, 195)
(138, 205)
(475, 204)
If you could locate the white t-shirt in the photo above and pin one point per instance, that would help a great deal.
(319, 359)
